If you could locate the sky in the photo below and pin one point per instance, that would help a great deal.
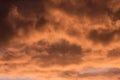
(59, 39)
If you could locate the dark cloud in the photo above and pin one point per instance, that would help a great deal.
(103, 36)
(114, 53)
(23, 24)
(58, 53)
(91, 8)
(5, 29)
(26, 8)
(41, 22)
(69, 74)
(73, 32)
(94, 9)
(116, 15)
(64, 47)
(32, 8)
(40, 8)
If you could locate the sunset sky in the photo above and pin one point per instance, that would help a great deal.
(59, 39)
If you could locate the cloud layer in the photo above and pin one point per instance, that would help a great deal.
(60, 39)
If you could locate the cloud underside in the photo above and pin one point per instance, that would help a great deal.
(60, 39)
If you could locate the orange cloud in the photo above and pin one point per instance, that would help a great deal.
(60, 39)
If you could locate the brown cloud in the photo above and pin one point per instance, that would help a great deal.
(91, 8)
(60, 53)
(12, 22)
(103, 36)
(73, 32)
(5, 30)
(114, 53)
(30, 17)
(64, 47)
(94, 9)
(47, 35)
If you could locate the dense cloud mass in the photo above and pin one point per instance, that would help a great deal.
(60, 39)
(27, 14)
(15, 15)
(104, 36)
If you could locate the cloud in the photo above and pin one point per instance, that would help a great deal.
(103, 36)
(15, 15)
(60, 53)
(5, 30)
(64, 47)
(93, 9)
(114, 53)
(73, 32)
(105, 72)
(39, 36)
(26, 18)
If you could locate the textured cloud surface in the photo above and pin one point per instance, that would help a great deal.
(60, 39)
